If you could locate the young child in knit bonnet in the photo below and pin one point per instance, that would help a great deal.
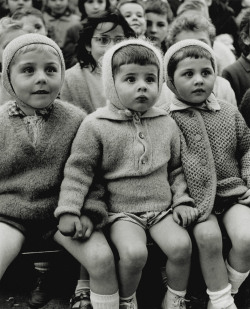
(135, 148)
(37, 131)
(215, 157)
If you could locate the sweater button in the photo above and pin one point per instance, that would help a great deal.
(203, 161)
(143, 161)
(197, 137)
(141, 135)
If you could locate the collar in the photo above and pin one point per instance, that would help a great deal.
(211, 104)
(15, 110)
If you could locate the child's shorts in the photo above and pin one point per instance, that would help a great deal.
(144, 219)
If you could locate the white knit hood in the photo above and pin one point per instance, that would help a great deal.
(107, 75)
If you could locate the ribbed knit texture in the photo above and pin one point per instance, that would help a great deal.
(215, 154)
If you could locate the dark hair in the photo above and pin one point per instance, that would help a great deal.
(194, 23)
(136, 54)
(160, 7)
(195, 52)
(82, 8)
(114, 16)
(244, 32)
(22, 12)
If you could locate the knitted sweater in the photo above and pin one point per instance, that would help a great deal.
(30, 176)
(215, 149)
(138, 158)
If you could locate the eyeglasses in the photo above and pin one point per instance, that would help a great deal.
(106, 40)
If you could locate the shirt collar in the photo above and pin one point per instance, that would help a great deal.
(211, 104)
(15, 110)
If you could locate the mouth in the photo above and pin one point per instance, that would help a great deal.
(142, 99)
(40, 92)
(199, 90)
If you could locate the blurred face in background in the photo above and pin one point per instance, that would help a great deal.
(57, 7)
(94, 7)
(13, 5)
(157, 27)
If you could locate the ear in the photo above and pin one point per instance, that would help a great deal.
(246, 40)
(209, 2)
(88, 47)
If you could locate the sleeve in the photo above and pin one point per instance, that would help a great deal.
(244, 107)
(177, 179)
(81, 176)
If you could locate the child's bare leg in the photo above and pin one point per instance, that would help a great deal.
(96, 256)
(11, 241)
(209, 241)
(236, 221)
(175, 242)
(130, 241)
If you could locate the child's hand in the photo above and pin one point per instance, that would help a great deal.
(86, 228)
(245, 198)
(185, 215)
(69, 224)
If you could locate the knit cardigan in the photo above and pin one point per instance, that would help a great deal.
(30, 176)
(215, 148)
(137, 157)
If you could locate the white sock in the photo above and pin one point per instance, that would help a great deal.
(127, 298)
(179, 293)
(222, 298)
(82, 285)
(104, 301)
(235, 278)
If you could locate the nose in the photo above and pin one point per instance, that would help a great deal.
(142, 87)
(153, 28)
(41, 77)
(198, 79)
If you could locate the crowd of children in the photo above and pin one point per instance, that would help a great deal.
(122, 119)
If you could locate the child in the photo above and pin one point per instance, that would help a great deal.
(59, 17)
(238, 72)
(134, 13)
(37, 134)
(83, 86)
(198, 27)
(13, 5)
(123, 144)
(215, 148)
(32, 20)
(158, 15)
(88, 9)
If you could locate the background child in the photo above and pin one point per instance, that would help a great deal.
(13, 5)
(215, 157)
(88, 9)
(134, 13)
(32, 20)
(142, 174)
(59, 17)
(158, 15)
(37, 133)
(238, 72)
(198, 27)
(83, 86)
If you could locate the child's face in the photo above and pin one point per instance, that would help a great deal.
(36, 78)
(198, 35)
(13, 5)
(101, 37)
(94, 7)
(135, 17)
(194, 79)
(57, 6)
(157, 26)
(137, 86)
(32, 23)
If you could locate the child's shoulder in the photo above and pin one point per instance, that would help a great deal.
(68, 110)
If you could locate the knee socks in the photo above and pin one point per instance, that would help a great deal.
(104, 301)
(222, 298)
(235, 278)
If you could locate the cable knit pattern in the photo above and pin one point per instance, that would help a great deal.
(30, 175)
(215, 154)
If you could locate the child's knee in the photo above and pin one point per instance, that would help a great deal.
(134, 256)
(209, 240)
(241, 244)
(182, 250)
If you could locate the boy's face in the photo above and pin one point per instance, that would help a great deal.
(197, 35)
(137, 86)
(57, 6)
(13, 5)
(36, 78)
(101, 34)
(94, 7)
(32, 23)
(157, 26)
(135, 17)
(194, 79)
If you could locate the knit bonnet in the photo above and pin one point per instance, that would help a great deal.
(20, 42)
(178, 46)
(107, 75)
